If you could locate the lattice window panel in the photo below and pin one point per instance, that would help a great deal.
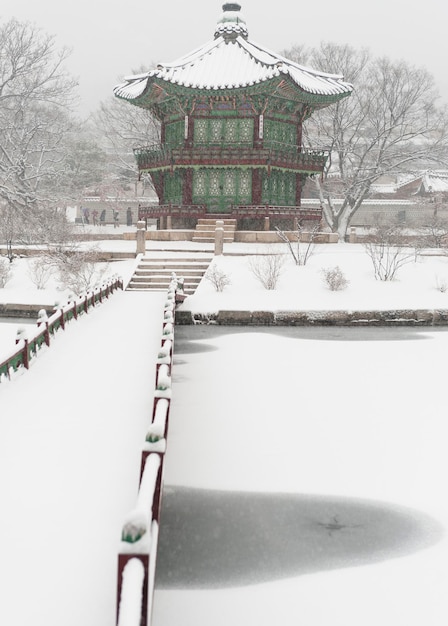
(279, 132)
(268, 130)
(231, 130)
(214, 182)
(216, 131)
(200, 183)
(200, 131)
(282, 186)
(292, 187)
(246, 130)
(265, 187)
(245, 187)
(229, 182)
(279, 188)
(292, 135)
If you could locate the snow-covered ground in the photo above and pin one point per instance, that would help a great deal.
(358, 419)
(418, 283)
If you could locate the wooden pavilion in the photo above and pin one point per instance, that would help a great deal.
(231, 115)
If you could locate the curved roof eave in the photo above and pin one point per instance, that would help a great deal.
(240, 63)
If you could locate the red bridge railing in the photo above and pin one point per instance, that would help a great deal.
(28, 345)
(139, 538)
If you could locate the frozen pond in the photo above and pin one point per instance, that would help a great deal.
(9, 327)
(304, 476)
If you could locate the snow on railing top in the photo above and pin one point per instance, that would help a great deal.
(156, 433)
(136, 532)
(164, 356)
(131, 594)
(163, 388)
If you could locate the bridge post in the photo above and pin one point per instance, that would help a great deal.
(267, 223)
(219, 237)
(141, 244)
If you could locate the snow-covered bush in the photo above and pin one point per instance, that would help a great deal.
(334, 278)
(267, 268)
(40, 271)
(441, 284)
(304, 242)
(5, 272)
(388, 250)
(218, 278)
(81, 270)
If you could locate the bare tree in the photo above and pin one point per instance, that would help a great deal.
(41, 224)
(434, 234)
(389, 124)
(36, 94)
(5, 272)
(86, 164)
(121, 129)
(79, 270)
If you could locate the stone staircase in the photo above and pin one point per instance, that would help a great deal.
(205, 230)
(155, 273)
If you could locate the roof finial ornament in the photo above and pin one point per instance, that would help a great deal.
(232, 23)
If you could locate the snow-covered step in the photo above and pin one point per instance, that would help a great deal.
(156, 273)
(171, 267)
(205, 230)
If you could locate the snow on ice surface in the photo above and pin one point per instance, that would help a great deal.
(69, 459)
(318, 420)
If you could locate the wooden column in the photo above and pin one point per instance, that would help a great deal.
(257, 185)
(187, 187)
(190, 130)
(158, 179)
(299, 183)
(299, 134)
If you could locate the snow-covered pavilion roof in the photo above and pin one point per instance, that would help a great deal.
(231, 60)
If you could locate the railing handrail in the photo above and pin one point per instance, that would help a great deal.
(268, 144)
(270, 155)
(28, 347)
(249, 210)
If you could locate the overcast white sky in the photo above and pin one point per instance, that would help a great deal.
(111, 39)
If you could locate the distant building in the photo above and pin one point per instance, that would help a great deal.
(231, 115)
(412, 199)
